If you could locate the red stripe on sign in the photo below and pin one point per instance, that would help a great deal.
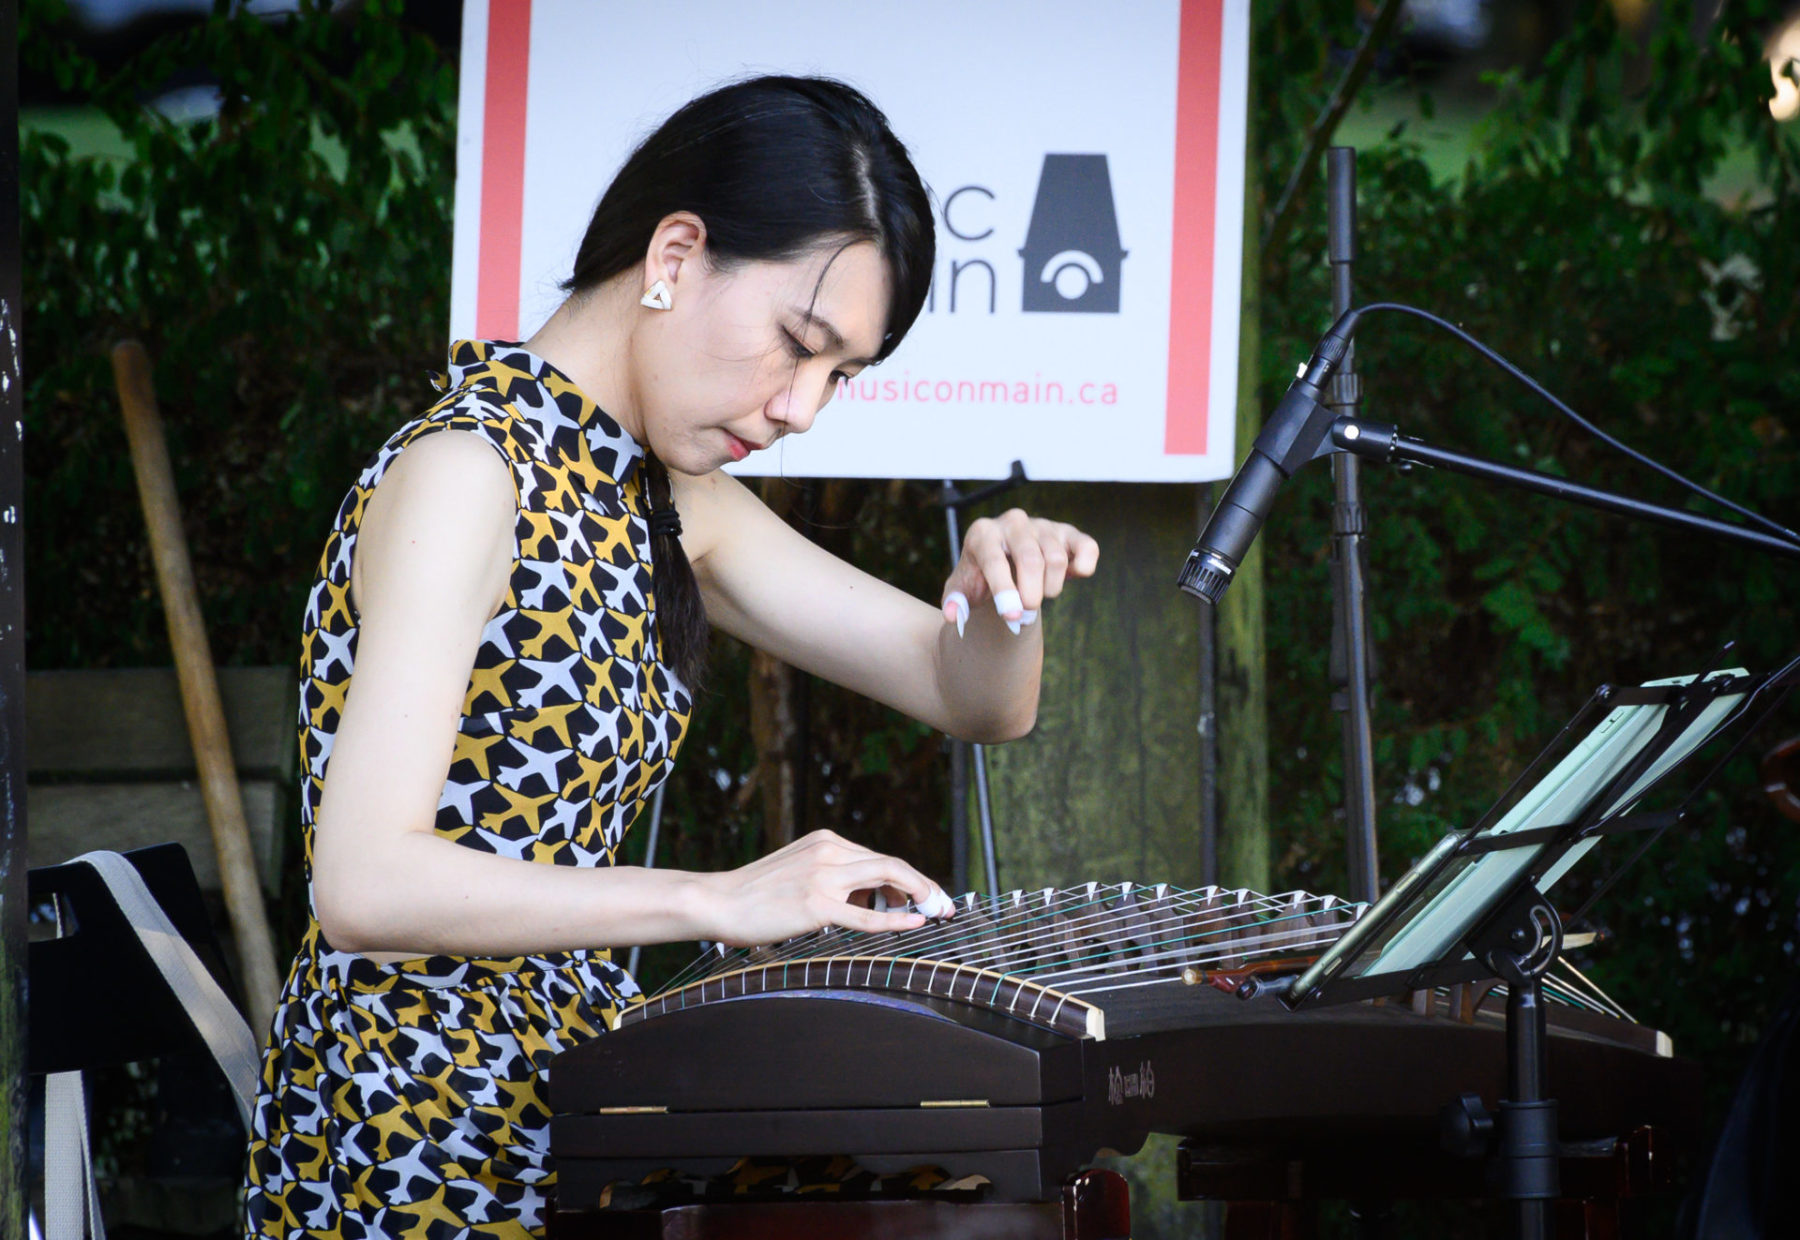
(1196, 176)
(502, 169)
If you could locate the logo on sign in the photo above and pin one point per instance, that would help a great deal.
(1123, 1085)
(1072, 251)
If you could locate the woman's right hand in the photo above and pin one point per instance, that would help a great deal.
(807, 885)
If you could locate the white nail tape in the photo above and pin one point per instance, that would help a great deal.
(937, 905)
(961, 602)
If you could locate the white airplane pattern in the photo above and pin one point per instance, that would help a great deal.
(461, 797)
(625, 594)
(551, 675)
(411, 1166)
(569, 535)
(534, 762)
(495, 635)
(548, 573)
(324, 740)
(337, 650)
(563, 819)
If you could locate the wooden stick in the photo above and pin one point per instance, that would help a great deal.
(199, 685)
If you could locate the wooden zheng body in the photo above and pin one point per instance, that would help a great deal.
(719, 1069)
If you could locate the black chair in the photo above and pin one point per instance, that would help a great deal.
(96, 997)
(97, 1000)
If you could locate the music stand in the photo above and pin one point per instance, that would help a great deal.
(1474, 906)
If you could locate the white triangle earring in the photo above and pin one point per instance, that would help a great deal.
(658, 297)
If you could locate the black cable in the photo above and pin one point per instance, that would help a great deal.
(1347, 324)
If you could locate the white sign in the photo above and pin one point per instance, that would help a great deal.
(1086, 162)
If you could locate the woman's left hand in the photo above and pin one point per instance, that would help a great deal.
(1014, 562)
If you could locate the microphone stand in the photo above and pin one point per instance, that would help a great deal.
(1352, 657)
(1525, 940)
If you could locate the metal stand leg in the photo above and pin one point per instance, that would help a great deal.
(959, 816)
(1530, 1172)
(989, 860)
(1208, 727)
(977, 753)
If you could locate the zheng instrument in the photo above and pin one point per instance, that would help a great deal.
(1034, 1030)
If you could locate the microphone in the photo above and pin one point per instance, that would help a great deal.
(1293, 435)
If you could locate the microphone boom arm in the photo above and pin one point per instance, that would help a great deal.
(1377, 441)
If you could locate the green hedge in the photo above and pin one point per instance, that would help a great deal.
(1579, 242)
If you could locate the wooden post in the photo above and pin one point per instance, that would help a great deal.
(1243, 698)
(777, 704)
(199, 685)
(1107, 787)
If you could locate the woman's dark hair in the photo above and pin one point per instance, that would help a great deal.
(775, 167)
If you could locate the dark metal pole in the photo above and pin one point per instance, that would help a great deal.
(1528, 1141)
(959, 816)
(13, 1194)
(1208, 725)
(1349, 553)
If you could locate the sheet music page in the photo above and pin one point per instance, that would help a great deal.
(1554, 800)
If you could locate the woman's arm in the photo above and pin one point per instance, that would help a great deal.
(432, 561)
(772, 588)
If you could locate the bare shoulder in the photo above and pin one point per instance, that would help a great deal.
(446, 507)
(448, 470)
(453, 457)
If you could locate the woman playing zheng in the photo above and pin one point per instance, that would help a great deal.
(500, 648)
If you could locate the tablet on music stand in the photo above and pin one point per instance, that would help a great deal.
(1586, 784)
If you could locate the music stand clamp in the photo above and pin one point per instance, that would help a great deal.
(1474, 907)
(1519, 943)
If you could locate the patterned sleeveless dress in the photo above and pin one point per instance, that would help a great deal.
(408, 1099)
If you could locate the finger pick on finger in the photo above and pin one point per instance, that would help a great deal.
(1011, 608)
(937, 905)
(956, 610)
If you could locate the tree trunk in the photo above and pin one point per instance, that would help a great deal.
(1243, 699)
(776, 725)
(1107, 787)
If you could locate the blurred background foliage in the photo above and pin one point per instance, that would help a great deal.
(1580, 239)
(1618, 217)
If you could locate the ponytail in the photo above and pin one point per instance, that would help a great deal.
(682, 633)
